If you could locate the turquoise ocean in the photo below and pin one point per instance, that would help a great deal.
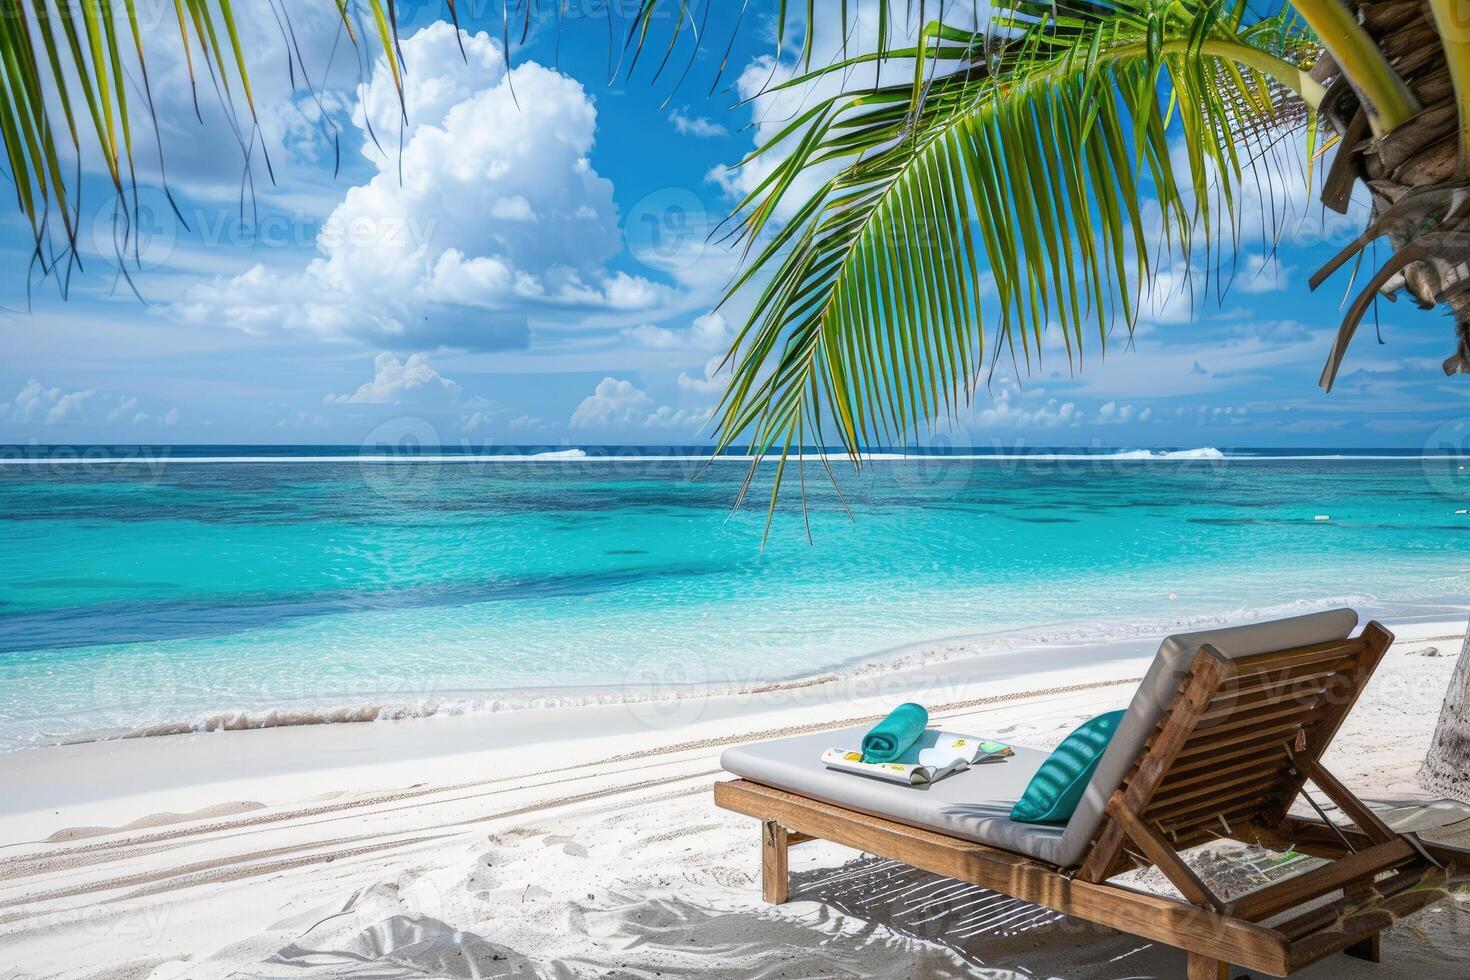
(153, 589)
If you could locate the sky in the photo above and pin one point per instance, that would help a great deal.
(534, 258)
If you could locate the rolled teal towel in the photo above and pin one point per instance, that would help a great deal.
(893, 736)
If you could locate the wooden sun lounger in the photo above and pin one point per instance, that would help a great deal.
(1230, 755)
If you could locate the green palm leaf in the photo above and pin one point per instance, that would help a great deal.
(57, 54)
(1030, 167)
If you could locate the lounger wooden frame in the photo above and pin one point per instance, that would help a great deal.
(1228, 758)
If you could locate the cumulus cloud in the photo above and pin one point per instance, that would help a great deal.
(392, 379)
(713, 381)
(668, 417)
(474, 422)
(301, 419)
(1006, 412)
(711, 332)
(491, 210)
(124, 406)
(652, 337)
(51, 406)
(696, 126)
(614, 402)
(708, 332)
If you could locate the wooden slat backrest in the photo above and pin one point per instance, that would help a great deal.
(1273, 714)
(1235, 747)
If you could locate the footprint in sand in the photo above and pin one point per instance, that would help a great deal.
(569, 846)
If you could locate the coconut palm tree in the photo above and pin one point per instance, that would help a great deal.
(1040, 170)
(1036, 171)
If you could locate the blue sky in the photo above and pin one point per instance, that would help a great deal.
(533, 267)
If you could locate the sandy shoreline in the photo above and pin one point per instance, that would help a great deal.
(581, 841)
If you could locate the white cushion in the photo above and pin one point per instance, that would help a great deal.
(972, 805)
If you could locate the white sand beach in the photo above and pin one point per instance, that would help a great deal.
(583, 841)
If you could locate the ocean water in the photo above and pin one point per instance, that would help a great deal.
(202, 588)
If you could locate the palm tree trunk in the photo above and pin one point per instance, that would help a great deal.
(1447, 769)
(1419, 158)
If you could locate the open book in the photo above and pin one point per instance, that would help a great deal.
(935, 755)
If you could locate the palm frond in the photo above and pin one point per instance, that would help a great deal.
(1032, 181)
(68, 71)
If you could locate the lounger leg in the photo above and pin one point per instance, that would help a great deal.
(1204, 968)
(775, 878)
(1367, 949)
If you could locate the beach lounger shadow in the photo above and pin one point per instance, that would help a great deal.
(1223, 735)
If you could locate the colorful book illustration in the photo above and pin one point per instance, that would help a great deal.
(935, 755)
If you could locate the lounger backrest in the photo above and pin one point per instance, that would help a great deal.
(1262, 723)
(1158, 690)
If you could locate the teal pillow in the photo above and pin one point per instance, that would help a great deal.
(1057, 787)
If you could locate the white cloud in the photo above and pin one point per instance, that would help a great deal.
(392, 379)
(714, 379)
(668, 417)
(652, 337)
(613, 402)
(300, 419)
(707, 333)
(171, 417)
(618, 402)
(52, 406)
(124, 406)
(493, 206)
(438, 79)
(1262, 274)
(1003, 412)
(1112, 413)
(67, 406)
(696, 126)
(1169, 298)
(711, 332)
(474, 422)
(513, 208)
